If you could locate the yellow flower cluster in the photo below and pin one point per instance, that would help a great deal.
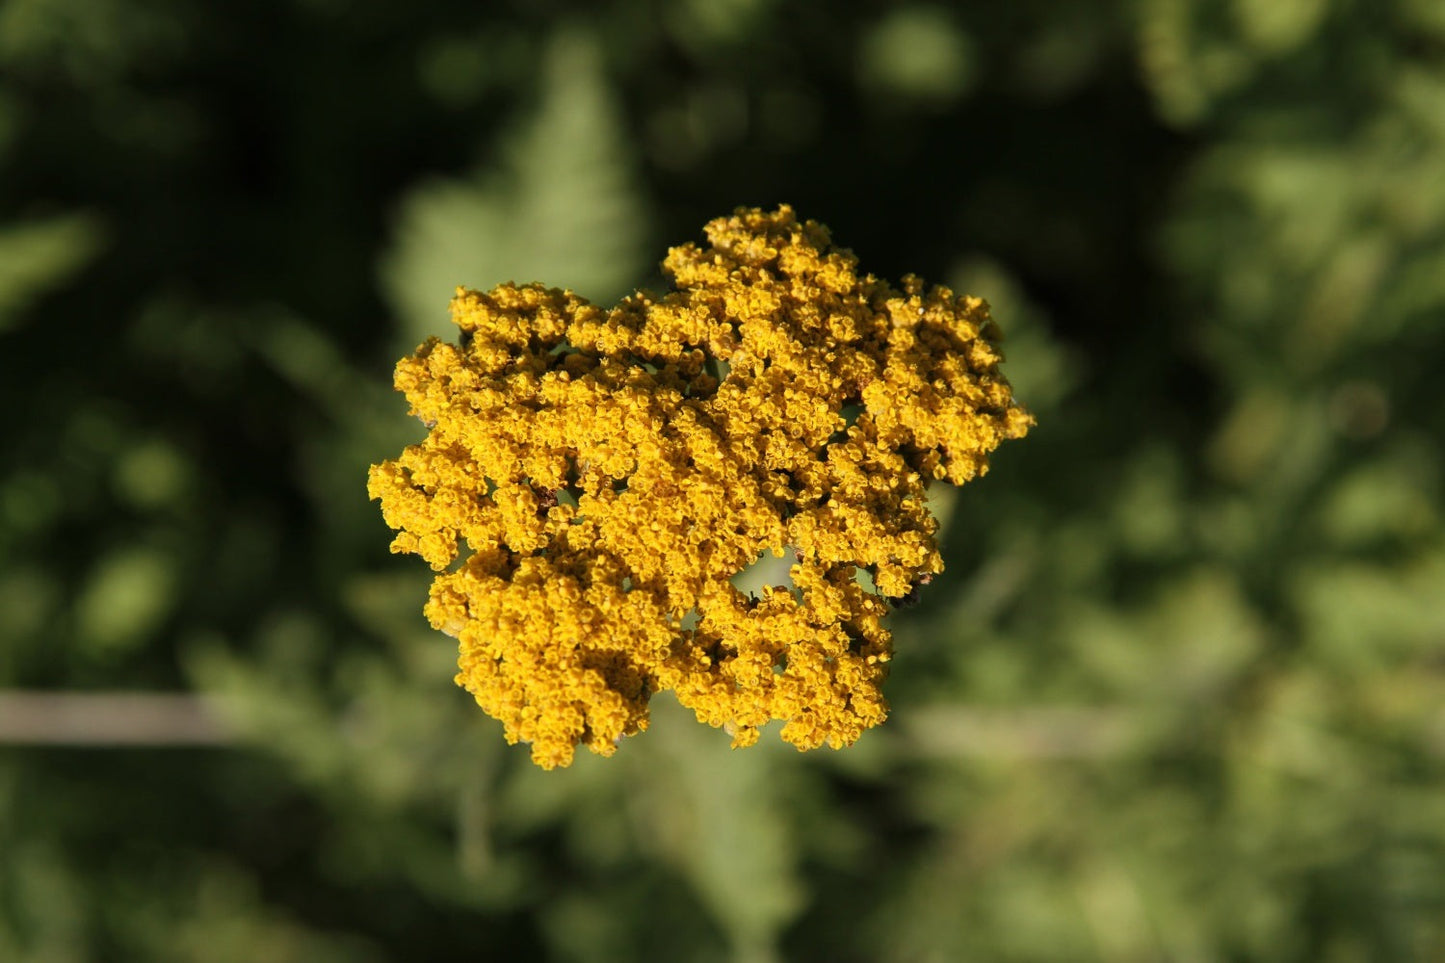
(612, 470)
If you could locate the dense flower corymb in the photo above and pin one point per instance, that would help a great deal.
(611, 470)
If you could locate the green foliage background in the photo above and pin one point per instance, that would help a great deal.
(1179, 696)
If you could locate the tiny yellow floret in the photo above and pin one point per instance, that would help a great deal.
(593, 479)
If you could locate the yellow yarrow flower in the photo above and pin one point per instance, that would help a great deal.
(610, 470)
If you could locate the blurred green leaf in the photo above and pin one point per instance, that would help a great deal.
(127, 595)
(559, 207)
(40, 255)
(918, 53)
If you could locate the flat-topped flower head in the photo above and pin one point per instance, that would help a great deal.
(594, 478)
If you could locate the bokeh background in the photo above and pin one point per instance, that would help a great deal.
(1180, 695)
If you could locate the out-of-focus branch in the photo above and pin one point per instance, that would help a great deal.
(1031, 732)
(106, 719)
(103, 720)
